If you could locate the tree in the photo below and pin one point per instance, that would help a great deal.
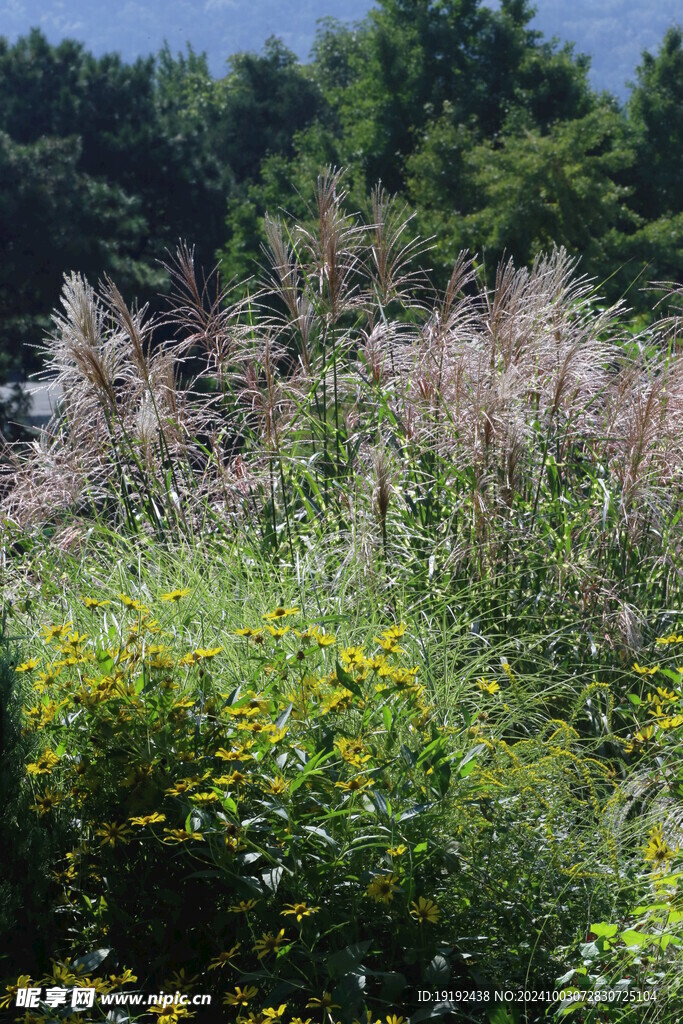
(54, 218)
(656, 115)
(527, 191)
(267, 99)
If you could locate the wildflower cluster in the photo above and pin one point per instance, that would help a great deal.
(298, 773)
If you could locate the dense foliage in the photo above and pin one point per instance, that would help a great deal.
(493, 135)
(340, 644)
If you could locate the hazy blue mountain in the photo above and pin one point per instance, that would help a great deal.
(138, 27)
(613, 32)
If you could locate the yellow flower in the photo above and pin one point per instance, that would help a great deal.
(182, 787)
(225, 957)
(148, 819)
(270, 1013)
(48, 677)
(23, 981)
(242, 711)
(179, 835)
(171, 1014)
(643, 670)
(242, 995)
(28, 666)
(353, 751)
(341, 699)
(91, 602)
(324, 1003)
(393, 1019)
(299, 910)
(130, 602)
(397, 851)
(382, 888)
(275, 734)
(180, 979)
(658, 851)
(278, 631)
(247, 631)
(235, 778)
(357, 785)
(280, 613)
(243, 907)
(44, 765)
(487, 686)
(56, 632)
(45, 803)
(200, 654)
(175, 595)
(424, 910)
(268, 943)
(208, 652)
(388, 644)
(113, 832)
(316, 634)
(236, 754)
(204, 798)
(673, 638)
(276, 786)
(125, 978)
(351, 657)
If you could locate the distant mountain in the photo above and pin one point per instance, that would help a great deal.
(613, 32)
(138, 27)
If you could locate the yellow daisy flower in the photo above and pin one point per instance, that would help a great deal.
(268, 943)
(28, 666)
(44, 804)
(299, 910)
(243, 907)
(280, 613)
(179, 835)
(658, 852)
(148, 819)
(242, 996)
(382, 888)
(324, 1003)
(424, 910)
(270, 1013)
(44, 765)
(112, 833)
(225, 957)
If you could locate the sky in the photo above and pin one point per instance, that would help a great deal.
(613, 32)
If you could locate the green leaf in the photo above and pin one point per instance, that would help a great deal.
(347, 959)
(90, 961)
(437, 972)
(608, 930)
(281, 719)
(634, 938)
(348, 681)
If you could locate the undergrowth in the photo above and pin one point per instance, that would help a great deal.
(340, 643)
